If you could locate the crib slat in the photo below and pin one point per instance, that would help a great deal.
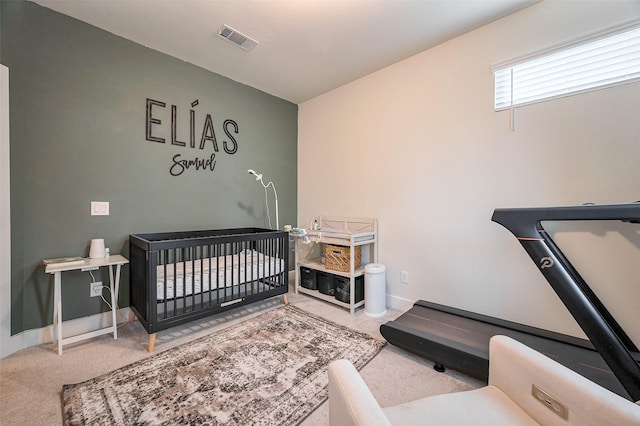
(165, 280)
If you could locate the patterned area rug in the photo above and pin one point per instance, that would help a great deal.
(268, 370)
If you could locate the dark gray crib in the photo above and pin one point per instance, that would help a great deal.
(177, 277)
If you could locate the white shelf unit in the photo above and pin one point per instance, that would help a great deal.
(341, 231)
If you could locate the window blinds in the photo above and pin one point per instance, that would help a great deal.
(609, 61)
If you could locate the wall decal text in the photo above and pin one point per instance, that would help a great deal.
(156, 112)
(179, 165)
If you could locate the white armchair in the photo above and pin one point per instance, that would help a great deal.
(525, 388)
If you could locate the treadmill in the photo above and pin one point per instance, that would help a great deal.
(459, 339)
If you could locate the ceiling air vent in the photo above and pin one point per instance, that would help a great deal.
(237, 38)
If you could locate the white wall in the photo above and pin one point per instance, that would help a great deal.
(418, 146)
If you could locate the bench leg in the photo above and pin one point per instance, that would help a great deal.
(132, 316)
(286, 299)
(152, 342)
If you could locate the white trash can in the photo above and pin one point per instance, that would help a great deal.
(374, 290)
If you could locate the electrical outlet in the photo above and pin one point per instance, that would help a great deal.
(96, 289)
(404, 277)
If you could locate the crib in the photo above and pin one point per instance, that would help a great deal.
(177, 277)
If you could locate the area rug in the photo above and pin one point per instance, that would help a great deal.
(268, 370)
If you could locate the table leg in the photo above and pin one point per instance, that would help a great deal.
(57, 308)
(54, 328)
(114, 286)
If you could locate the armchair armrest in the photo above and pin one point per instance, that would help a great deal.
(351, 402)
(515, 369)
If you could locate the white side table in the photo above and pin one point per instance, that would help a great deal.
(86, 265)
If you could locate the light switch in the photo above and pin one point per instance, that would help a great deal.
(99, 208)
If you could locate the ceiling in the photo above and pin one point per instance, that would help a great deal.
(305, 47)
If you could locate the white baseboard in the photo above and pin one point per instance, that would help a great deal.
(73, 327)
(398, 303)
(77, 326)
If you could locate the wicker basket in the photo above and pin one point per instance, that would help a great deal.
(337, 257)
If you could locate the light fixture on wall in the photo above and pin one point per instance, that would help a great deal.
(266, 198)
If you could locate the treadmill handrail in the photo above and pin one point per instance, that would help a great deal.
(522, 221)
(598, 324)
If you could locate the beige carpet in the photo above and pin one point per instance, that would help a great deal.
(31, 379)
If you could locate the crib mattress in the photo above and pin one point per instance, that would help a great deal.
(201, 275)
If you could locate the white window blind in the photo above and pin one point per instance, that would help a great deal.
(609, 61)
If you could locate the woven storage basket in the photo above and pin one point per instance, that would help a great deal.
(337, 257)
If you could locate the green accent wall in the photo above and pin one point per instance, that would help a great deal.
(78, 98)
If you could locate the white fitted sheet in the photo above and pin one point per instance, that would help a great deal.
(225, 271)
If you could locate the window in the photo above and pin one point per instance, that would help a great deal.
(608, 61)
